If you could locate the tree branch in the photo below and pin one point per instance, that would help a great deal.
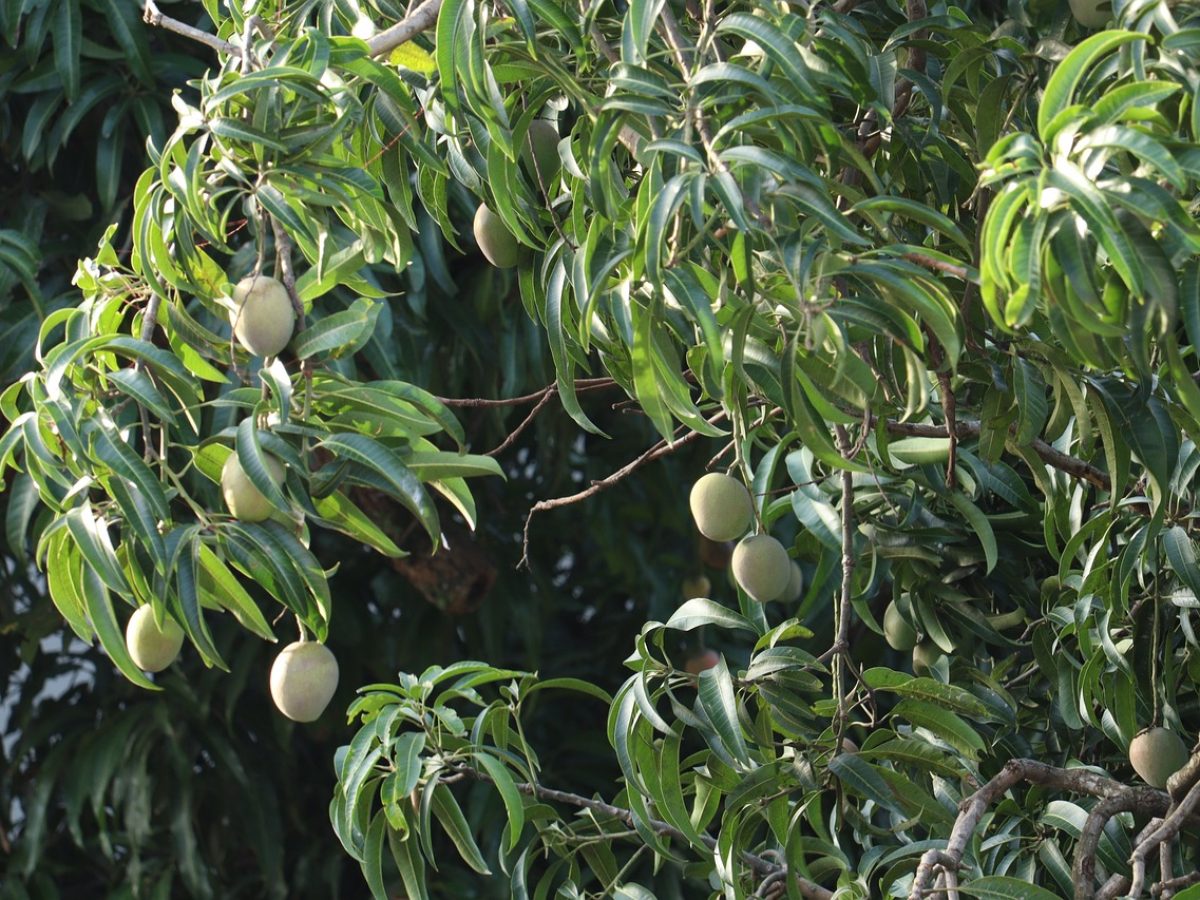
(841, 644)
(1083, 869)
(1166, 831)
(420, 19)
(662, 448)
(1072, 465)
(152, 16)
(971, 811)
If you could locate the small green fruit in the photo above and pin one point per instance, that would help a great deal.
(495, 240)
(540, 153)
(705, 659)
(245, 501)
(762, 567)
(304, 677)
(152, 649)
(920, 450)
(1156, 755)
(721, 506)
(925, 657)
(696, 586)
(896, 630)
(1092, 13)
(264, 318)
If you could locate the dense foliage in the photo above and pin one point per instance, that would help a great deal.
(925, 278)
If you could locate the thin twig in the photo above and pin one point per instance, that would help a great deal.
(1072, 465)
(152, 16)
(516, 432)
(841, 644)
(662, 448)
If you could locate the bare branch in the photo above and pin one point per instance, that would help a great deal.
(152, 16)
(420, 19)
(1073, 466)
(516, 432)
(841, 644)
(662, 448)
(1083, 869)
(1171, 823)
(1146, 801)
(939, 265)
(150, 317)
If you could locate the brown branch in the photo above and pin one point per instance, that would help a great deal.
(972, 810)
(152, 16)
(1175, 819)
(1072, 465)
(1182, 781)
(283, 247)
(516, 432)
(150, 317)
(1171, 885)
(762, 868)
(662, 448)
(420, 19)
(1083, 869)
(582, 384)
(939, 265)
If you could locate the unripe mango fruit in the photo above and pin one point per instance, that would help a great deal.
(540, 153)
(495, 240)
(264, 319)
(925, 656)
(304, 677)
(896, 630)
(152, 649)
(1092, 13)
(762, 567)
(795, 585)
(696, 586)
(1156, 755)
(721, 507)
(245, 501)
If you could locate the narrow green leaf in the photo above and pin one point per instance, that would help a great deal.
(448, 813)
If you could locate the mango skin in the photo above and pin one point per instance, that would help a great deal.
(264, 320)
(495, 241)
(1092, 13)
(721, 507)
(925, 656)
(762, 567)
(896, 631)
(152, 650)
(1156, 755)
(540, 153)
(304, 678)
(245, 501)
(705, 659)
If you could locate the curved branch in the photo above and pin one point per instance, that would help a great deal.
(1016, 771)
(662, 448)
